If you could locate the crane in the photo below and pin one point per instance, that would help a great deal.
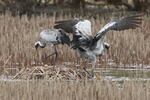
(52, 37)
(89, 46)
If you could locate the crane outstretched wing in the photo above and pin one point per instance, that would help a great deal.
(72, 25)
(66, 25)
(80, 28)
(131, 22)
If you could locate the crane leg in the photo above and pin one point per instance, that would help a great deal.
(92, 73)
(93, 66)
(55, 53)
(50, 55)
(84, 67)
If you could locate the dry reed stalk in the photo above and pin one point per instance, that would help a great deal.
(74, 90)
(18, 35)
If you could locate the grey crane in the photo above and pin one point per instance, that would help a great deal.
(53, 37)
(89, 46)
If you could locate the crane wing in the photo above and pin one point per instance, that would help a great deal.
(82, 35)
(131, 22)
(80, 28)
(66, 25)
(72, 25)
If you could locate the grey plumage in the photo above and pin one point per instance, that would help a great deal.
(66, 24)
(89, 46)
(53, 37)
(130, 22)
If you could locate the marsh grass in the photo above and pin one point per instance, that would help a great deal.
(18, 35)
(74, 90)
(17, 38)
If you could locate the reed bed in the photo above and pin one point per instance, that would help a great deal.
(74, 90)
(17, 52)
(18, 35)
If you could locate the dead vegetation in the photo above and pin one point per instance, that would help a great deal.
(20, 60)
(18, 35)
(44, 72)
(74, 90)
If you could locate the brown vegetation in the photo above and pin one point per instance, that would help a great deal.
(73, 90)
(17, 38)
(45, 72)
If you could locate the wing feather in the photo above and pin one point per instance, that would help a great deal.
(130, 22)
(66, 25)
(80, 28)
(82, 35)
(83, 28)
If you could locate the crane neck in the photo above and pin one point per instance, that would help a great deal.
(42, 45)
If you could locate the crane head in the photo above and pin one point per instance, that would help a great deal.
(107, 46)
(36, 45)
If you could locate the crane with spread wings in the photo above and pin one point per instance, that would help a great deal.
(89, 46)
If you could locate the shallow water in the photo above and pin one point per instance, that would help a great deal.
(123, 74)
